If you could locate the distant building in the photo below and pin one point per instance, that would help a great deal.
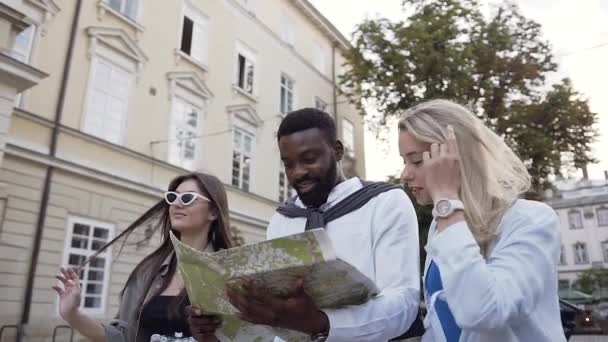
(582, 207)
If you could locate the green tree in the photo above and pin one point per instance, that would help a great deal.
(497, 66)
(591, 280)
(424, 216)
(237, 237)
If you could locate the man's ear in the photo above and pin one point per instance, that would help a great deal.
(339, 150)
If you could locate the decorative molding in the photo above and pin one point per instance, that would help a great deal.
(17, 19)
(18, 75)
(246, 113)
(50, 9)
(129, 184)
(119, 41)
(188, 80)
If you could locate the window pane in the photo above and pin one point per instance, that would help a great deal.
(602, 217)
(80, 243)
(237, 139)
(249, 85)
(131, 8)
(199, 42)
(283, 101)
(75, 259)
(98, 262)
(81, 229)
(289, 102)
(107, 106)
(575, 220)
(248, 142)
(92, 302)
(102, 76)
(95, 275)
(241, 71)
(580, 253)
(22, 46)
(281, 185)
(190, 147)
(187, 28)
(94, 289)
(116, 5)
(236, 168)
(320, 104)
(246, 168)
(192, 118)
(97, 244)
(101, 233)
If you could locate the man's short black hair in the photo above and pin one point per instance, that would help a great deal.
(307, 118)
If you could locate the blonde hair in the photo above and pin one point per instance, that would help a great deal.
(492, 176)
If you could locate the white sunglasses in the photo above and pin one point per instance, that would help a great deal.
(185, 198)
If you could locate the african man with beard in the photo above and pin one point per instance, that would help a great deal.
(379, 236)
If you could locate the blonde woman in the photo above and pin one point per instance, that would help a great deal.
(491, 268)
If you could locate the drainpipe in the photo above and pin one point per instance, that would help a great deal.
(44, 201)
(333, 80)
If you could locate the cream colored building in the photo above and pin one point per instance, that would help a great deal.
(582, 207)
(129, 94)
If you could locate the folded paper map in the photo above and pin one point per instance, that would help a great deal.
(275, 265)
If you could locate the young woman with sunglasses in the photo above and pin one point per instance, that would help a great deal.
(154, 305)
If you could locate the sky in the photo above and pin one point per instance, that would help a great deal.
(574, 28)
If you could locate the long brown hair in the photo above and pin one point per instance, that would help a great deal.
(157, 217)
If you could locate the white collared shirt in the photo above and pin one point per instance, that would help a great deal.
(512, 295)
(381, 240)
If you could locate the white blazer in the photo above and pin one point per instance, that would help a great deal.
(511, 296)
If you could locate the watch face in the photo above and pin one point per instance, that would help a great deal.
(442, 207)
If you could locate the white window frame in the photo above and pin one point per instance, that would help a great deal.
(115, 46)
(319, 57)
(604, 246)
(239, 182)
(562, 256)
(194, 133)
(349, 146)
(107, 255)
(201, 21)
(95, 60)
(123, 8)
(287, 29)
(320, 104)
(283, 103)
(285, 190)
(250, 60)
(581, 259)
(573, 216)
(602, 221)
(24, 56)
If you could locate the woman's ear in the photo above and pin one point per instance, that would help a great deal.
(213, 214)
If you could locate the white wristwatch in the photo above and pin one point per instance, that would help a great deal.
(445, 207)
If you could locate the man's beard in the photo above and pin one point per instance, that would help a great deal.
(320, 192)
